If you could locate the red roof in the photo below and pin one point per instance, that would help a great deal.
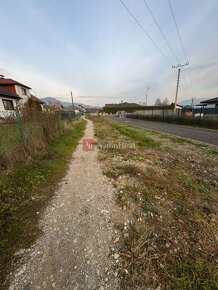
(35, 99)
(7, 93)
(4, 81)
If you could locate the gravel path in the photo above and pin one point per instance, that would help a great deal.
(76, 249)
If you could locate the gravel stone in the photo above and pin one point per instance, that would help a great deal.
(73, 222)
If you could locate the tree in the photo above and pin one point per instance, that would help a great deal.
(165, 102)
(158, 102)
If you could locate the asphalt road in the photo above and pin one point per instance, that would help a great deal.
(198, 134)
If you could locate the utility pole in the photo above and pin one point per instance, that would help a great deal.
(179, 67)
(147, 96)
(72, 100)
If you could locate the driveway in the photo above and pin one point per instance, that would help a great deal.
(198, 134)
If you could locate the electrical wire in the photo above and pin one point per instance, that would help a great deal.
(145, 32)
(159, 27)
(177, 29)
(180, 39)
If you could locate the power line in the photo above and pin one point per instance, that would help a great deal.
(177, 29)
(158, 25)
(145, 32)
(180, 39)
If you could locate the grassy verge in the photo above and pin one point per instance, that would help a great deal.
(24, 193)
(168, 195)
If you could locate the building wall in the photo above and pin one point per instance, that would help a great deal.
(20, 93)
(3, 112)
(211, 105)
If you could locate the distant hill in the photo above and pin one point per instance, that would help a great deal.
(51, 100)
(189, 101)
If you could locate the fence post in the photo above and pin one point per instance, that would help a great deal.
(20, 126)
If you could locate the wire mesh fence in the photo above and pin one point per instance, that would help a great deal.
(180, 118)
(27, 132)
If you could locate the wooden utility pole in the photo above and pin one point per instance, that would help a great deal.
(179, 67)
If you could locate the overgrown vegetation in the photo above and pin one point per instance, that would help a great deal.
(28, 132)
(168, 193)
(181, 120)
(26, 189)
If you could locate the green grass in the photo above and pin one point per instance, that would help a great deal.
(26, 190)
(172, 202)
(137, 135)
(193, 273)
(9, 138)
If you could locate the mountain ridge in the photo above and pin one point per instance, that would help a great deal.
(52, 100)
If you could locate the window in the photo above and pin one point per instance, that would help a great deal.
(24, 91)
(8, 104)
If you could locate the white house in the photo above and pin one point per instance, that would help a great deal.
(8, 102)
(19, 89)
(15, 87)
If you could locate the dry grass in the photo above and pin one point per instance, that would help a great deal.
(168, 192)
(28, 138)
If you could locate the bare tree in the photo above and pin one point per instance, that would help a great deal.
(158, 102)
(165, 102)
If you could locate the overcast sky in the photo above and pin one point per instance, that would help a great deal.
(95, 49)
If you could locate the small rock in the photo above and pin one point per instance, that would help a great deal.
(116, 256)
(104, 211)
(116, 240)
(162, 266)
(98, 272)
(44, 284)
(20, 252)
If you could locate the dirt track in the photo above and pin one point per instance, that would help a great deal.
(76, 249)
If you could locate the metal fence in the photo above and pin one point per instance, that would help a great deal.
(206, 112)
(68, 115)
(26, 134)
(159, 112)
(179, 118)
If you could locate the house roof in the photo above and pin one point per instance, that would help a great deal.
(8, 94)
(210, 101)
(4, 82)
(35, 99)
